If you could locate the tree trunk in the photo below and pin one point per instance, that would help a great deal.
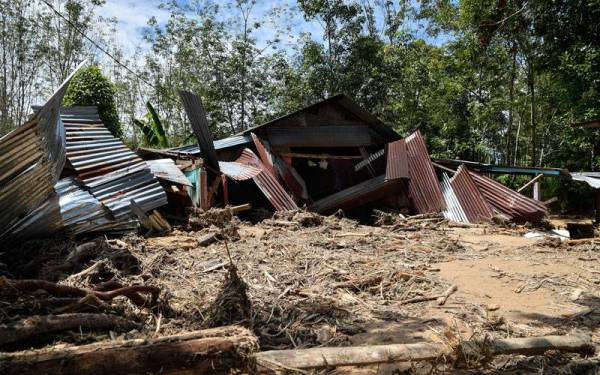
(276, 360)
(531, 84)
(215, 351)
(511, 117)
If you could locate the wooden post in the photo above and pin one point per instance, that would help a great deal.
(203, 189)
(537, 191)
(597, 206)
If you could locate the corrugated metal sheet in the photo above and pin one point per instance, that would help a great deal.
(319, 136)
(453, 210)
(197, 116)
(264, 155)
(590, 178)
(166, 169)
(475, 206)
(502, 169)
(363, 163)
(397, 161)
(424, 187)
(357, 195)
(246, 167)
(109, 169)
(91, 149)
(238, 171)
(31, 159)
(81, 212)
(116, 190)
(508, 202)
(221, 144)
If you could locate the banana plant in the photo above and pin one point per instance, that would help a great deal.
(151, 127)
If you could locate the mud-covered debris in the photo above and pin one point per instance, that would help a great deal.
(308, 219)
(232, 305)
(200, 219)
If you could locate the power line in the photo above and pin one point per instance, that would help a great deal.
(97, 45)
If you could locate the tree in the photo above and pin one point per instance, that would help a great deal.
(152, 128)
(90, 87)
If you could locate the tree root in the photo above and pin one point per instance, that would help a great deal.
(131, 292)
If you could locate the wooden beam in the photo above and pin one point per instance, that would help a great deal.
(314, 358)
(213, 351)
(533, 180)
(443, 168)
(318, 156)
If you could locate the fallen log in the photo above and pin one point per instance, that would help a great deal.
(303, 359)
(581, 344)
(346, 356)
(240, 208)
(38, 325)
(215, 351)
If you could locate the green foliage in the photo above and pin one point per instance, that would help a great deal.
(152, 128)
(89, 87)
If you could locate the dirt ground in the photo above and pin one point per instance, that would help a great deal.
(328, 281)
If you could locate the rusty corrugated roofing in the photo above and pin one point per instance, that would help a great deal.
(474, 205)
(397, 161)
(238, 171)
(247, 166)
(508, 202)
(264, 155)
(424, 187)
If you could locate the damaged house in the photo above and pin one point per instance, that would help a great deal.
(334, 155)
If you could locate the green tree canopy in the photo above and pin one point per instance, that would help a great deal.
(90, 87)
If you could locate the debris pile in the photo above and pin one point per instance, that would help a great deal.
(300, 281)
(74, 176)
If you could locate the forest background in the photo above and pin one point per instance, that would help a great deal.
(496, 81)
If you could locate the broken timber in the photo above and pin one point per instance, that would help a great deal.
(314, 358)
(215, 351)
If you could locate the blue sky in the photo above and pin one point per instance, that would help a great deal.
(132, 17)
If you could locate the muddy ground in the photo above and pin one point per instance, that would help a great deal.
(329, 281)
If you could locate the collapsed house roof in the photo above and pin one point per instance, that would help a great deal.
(63, 170)
(109, 169)
(31, 160)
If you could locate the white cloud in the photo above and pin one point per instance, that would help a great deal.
(132, 17)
